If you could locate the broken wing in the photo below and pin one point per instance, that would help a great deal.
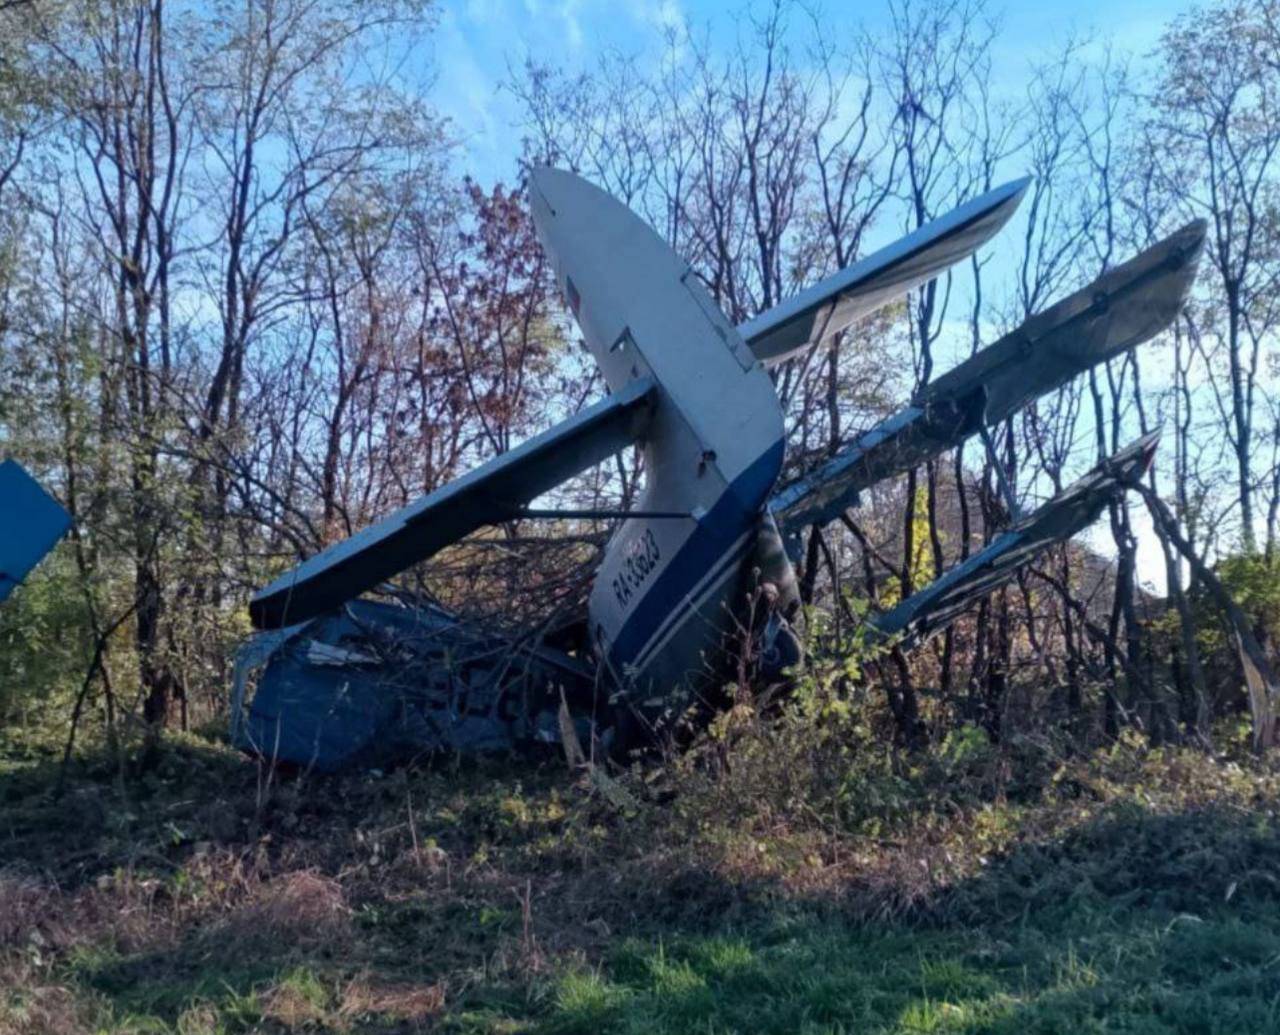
(938, 604)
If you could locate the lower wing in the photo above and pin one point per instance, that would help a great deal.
(493, 492)
(1075, 508)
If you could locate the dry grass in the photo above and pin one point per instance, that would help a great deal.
(470, 898)
(302, 908)
(33, 1004)
(24, 910)
(415, 1005)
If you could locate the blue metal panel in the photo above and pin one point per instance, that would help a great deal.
(31, 522)
(375, 683)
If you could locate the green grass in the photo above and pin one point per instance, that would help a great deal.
(1131, 891)
(1140, 972)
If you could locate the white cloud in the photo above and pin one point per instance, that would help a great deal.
(568, 13)
(478, 40)
(467, 90)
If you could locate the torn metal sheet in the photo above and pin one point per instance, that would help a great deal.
(374, 683)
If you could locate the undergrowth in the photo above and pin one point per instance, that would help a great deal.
(783, 875)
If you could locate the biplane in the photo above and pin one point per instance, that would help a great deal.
(343, 679)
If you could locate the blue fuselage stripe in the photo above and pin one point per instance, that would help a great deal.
(690, 604)
(733, 514)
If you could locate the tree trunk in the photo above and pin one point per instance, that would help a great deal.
(1259, 679)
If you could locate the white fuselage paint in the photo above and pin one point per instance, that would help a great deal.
(663, 597)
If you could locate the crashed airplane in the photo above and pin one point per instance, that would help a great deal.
(342, 681)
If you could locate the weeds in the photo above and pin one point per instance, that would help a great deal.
(785, 874)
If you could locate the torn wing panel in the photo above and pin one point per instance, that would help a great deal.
(491, 493)
(939, 604)
(1119, 310)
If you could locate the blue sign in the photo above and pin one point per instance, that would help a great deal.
(31, 522)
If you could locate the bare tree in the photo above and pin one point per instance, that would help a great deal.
(1215, 107)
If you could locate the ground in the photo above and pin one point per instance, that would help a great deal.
(1006, 889)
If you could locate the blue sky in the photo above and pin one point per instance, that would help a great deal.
(478, 40)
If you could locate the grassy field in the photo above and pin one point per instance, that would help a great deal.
(984, 890)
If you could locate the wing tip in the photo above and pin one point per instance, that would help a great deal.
(267, 610)
(261, 614)
(1146, 447)
(1015, 189)
(1196, 232)
(1007, 196)
(1182, 251)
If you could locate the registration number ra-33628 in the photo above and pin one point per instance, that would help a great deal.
(640, 562)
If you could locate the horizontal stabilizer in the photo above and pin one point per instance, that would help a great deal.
(492, 493)
(31, 522)
(939, 604)
(1122, 308)
(828, 307)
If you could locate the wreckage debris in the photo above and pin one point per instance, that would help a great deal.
(682, 576)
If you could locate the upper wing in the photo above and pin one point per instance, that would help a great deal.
(491, 493)
(31, 522)
(1119, 310)
(937, 605)
(828, 307)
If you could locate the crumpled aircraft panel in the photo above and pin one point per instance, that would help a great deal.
(1079, 505)
(376, 683)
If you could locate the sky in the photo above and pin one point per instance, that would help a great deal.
(478, 43)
